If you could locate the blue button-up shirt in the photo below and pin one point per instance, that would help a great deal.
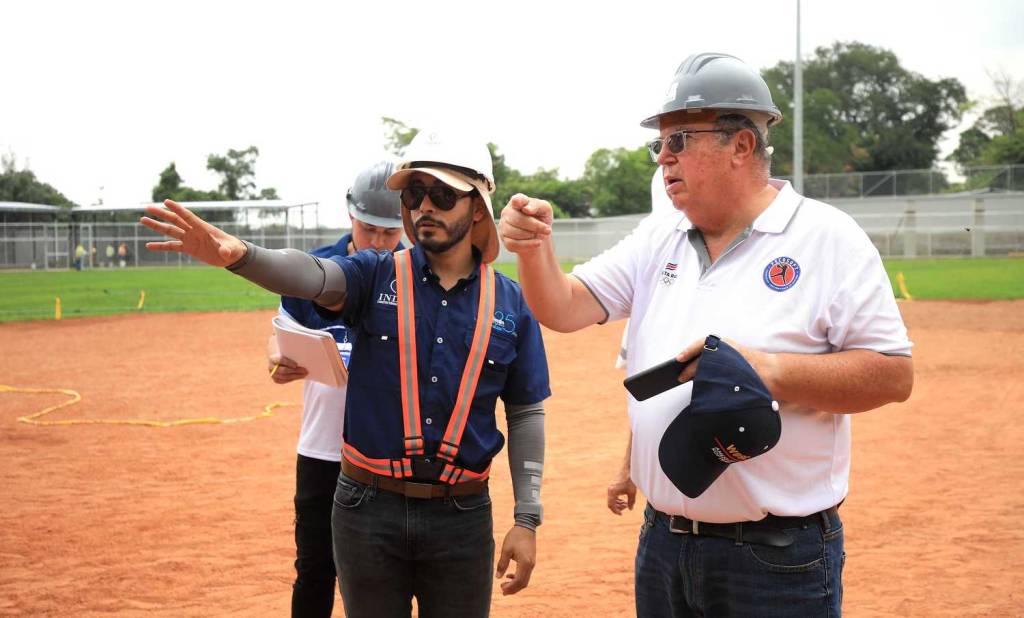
(515, 367)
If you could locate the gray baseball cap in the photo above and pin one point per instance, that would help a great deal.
(718, 82)
(370, 200)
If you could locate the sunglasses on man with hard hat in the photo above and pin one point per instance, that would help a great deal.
(676, 142)
(442, 196)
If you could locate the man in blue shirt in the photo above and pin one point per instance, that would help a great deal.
(441, 337)
(376, 214)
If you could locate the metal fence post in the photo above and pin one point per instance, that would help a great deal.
(910, 231)
(978, 229)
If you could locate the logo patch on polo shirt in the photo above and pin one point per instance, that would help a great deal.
(504, 322)
(389, 299)
(781, 274)
(668, 274)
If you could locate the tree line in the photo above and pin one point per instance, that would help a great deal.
(863, 112)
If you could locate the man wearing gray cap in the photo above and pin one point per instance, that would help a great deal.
(376, 214)
(441, 337)
(798, 290)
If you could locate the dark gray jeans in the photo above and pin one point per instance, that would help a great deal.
(389, 549)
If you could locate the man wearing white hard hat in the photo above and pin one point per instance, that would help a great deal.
(441, 336)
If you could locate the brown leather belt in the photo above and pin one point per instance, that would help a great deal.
(412, 489)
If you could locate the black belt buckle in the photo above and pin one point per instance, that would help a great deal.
(426, 468)
(682, 525)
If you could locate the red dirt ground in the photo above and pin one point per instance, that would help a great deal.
(197, 520)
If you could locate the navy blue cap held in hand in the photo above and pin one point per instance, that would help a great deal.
(731, 418)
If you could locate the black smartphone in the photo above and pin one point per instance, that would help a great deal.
(656, 380)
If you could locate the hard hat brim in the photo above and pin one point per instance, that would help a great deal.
(399, 180)
(774, 116)
(367, 218)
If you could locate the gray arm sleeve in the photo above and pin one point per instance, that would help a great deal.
(290, 272)
(526, 460)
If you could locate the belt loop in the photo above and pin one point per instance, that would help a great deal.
(826, 521)
(739, 534)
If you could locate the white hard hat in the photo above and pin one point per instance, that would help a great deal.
(460, 163)
(449, 150)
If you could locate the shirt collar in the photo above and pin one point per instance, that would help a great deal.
(775, 218)
(421, 265)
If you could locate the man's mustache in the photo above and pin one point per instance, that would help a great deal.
(429, 219)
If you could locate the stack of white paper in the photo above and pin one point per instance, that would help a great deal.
(314, 350)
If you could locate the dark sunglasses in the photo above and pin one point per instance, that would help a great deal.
(442, 196)
(676, 142)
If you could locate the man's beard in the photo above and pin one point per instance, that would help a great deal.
(456, 233)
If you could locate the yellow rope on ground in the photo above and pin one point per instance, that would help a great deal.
(31, 419)
(902, 281)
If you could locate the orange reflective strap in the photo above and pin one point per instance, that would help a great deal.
(453, 475)
(474, 363)
(407, 353)
(449, 448)
(397, 468)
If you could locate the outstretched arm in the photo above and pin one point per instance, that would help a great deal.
(287, 272)
(191, 235)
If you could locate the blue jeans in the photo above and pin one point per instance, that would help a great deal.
(681, 575)
(389, 549)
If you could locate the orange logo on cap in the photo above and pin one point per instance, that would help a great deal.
(728, 454)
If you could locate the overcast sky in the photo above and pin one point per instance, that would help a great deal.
(106, 94)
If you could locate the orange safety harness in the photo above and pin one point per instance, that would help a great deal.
(416, 463)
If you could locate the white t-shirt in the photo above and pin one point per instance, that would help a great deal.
(806, 280)
(323, 415)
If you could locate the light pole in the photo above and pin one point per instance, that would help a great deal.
(798, 112)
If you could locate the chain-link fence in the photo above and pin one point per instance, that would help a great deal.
(907, 224)
(994, 178)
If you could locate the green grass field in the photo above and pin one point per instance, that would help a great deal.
(31, 295)
(960, 279)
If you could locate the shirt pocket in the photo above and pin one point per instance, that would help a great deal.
(501, 353)
(380, 343)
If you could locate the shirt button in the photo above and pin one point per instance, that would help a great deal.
(440, 339)
(429, 421)
(444, 303)
(433, 378)
(424, 280)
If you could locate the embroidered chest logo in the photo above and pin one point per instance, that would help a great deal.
(504, 322)
(385, 298)
(781, 274)
(668, 274)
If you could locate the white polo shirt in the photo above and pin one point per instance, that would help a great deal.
(806, 280)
